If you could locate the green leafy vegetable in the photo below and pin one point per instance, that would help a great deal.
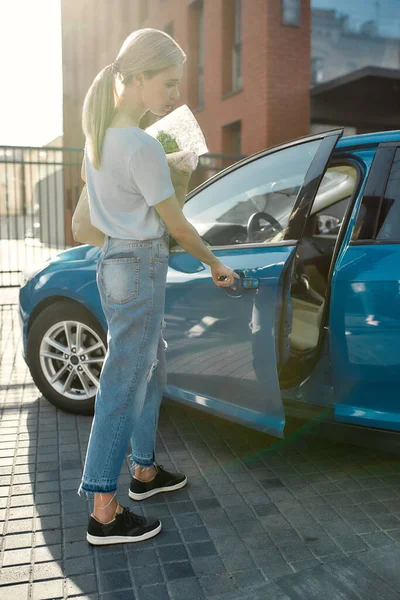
(168, 142)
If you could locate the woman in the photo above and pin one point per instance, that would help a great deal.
(133, 201)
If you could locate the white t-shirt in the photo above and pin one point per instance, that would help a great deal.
(134, 176)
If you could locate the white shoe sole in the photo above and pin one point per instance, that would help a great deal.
(120, 539)
(170, 488)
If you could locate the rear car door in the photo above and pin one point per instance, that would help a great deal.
(365, 303)
(225, 347)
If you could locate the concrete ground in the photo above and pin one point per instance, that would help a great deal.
(300, 519)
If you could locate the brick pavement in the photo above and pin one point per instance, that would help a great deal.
(298, 519)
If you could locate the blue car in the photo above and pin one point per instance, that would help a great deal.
(313, 229)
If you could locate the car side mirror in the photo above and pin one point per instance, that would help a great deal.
(327, 225)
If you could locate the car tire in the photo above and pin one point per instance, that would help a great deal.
(50, 323)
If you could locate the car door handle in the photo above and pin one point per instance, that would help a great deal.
(242, 284)
(249, 283)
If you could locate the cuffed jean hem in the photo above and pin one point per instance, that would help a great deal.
(90, 489)
(135, 461)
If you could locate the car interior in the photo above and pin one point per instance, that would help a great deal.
(310, 279)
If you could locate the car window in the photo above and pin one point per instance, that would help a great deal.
(328, 221)
(376, 195)
(332, 199)
(389, 217)
(267, 187)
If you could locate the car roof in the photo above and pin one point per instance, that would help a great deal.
(369, 139)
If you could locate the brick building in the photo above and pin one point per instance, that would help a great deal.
(247, 74)
(259, 72)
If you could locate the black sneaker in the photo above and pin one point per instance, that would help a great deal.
(126, 527)
(162, 482)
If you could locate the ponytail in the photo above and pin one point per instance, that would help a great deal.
(146, 51)
(98, 112)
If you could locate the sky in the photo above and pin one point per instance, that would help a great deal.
(386, 12)
(31, 72)
(31, 64)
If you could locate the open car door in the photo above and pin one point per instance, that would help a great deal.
(224, 346)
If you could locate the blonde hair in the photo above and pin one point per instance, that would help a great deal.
(146, 51)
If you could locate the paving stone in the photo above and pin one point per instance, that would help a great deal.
(117, 561)
(207, 504)
(304, 564)
(23, 512)
(11, 575)
(166, 538)
(46, 498)
(113, 581)
(265, 510)
(351, 543)
(84, 584)
(48, 537)
(271, 591)
(195, 534)
(47, 570)
(217, 584)
(44, 523)
(17, 557)
(249, 578)
(185, 588)
(144, 575)
(23, 540)
(46, 476)
(19, 592)
(73, 549)
(178, 508)
(47, 553)
(252, 513)
(206, 565)
(217, 530)
(142, 558)
(384, 563)
(153, 592)
(48, 590)
(272, 564)
(394, 534)
(76, 566)
(173, 553)
(240, 513)
(238, 561)
(377, 539)
(178, 570)
(387, 521)
(295, 552)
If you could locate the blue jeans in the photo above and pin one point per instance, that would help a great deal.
(131, 277)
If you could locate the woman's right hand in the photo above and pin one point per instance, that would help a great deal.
(222, 275)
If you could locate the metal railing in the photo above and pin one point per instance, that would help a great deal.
(39, 189)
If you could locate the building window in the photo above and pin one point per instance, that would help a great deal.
(291, 12)
(232, 138)
(143, 10)
(237, 46)
(200, 55)
(170, 29)
(232, 46)
(317, 70)
(196, 54)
